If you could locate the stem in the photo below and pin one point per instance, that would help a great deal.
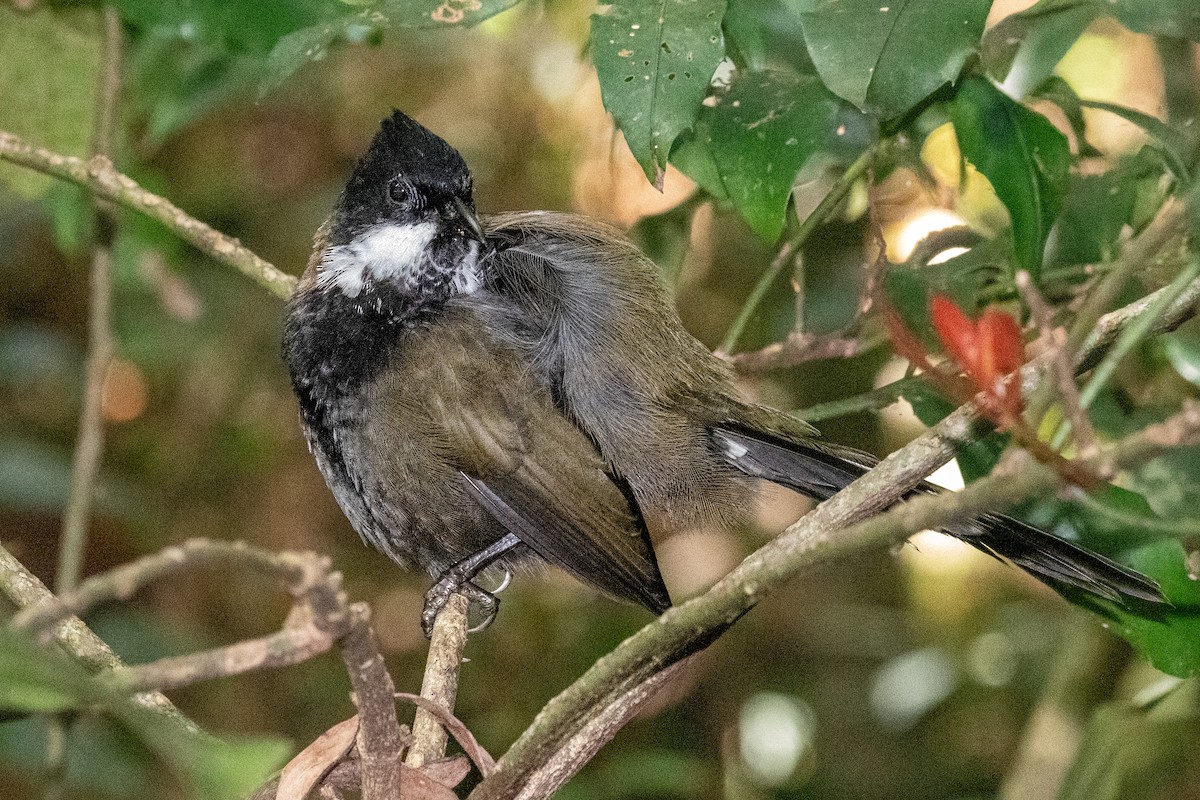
(1133, 335)
(89, 446)
(100, 178)
(873, 400)
(819, 215)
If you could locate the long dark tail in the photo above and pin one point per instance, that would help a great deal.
(820, 470)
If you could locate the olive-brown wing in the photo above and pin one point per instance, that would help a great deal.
(516, 456)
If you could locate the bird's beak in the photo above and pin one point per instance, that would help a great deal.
(470, 220)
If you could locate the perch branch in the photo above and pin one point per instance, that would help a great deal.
(440, 684)
(831, 531)
(821, 535)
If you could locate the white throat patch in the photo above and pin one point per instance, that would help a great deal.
(385, 252)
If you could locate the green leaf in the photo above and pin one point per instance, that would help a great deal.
(1178, 18)
(762, 132)
(1175, 146)
(1127, 750)
(693, 156)
(1182, 349)
(1096, 208)
(1023, 49)
(1121, 524)
(655, 60)
(214, 769)
(886, 57)
(363, 24)
(239, 27)
(1059, 92)
(760, 34)
(1023, 155)
(34, 678)
(48, 76)
(1171, 640)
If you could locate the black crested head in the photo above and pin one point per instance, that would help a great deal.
(406, 175)
(404, 226)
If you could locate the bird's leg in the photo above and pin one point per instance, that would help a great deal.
(458, 577)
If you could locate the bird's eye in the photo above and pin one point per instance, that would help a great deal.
(403, 194)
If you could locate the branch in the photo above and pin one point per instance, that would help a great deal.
(25, 590)
(321, 617)
(801, 348)
(828, 532)
(100, 177)
(440, 684)
(821, 536)
(89, 444)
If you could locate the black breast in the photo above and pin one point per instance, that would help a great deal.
(334, 345)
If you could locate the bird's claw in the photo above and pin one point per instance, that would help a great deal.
(439, 594)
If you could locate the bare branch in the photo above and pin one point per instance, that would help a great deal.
(25, 590)
(829, 531)
(296, 643)
(89, 443)
(801, 348)
(100, 177)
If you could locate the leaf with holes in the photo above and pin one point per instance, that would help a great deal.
(762, 132)
(1023, 155)
(655, 61)
(886, 56)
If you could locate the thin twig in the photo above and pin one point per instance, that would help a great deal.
(294, 644)
(25, 590)
(122, 582)
(819, 215)
(89, 444)
(100, 177)
(1063, 372)
(440, 684)
(801, 348)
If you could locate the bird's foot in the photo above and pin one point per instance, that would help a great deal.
(439, 594)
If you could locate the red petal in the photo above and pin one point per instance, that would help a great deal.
(957, 332)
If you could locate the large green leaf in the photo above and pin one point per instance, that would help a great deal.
(1023, 49)
(886, 57)
(1023, 155)
(48, 68)
(761, 133)
(655, 60)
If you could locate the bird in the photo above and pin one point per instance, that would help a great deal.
(517, 389)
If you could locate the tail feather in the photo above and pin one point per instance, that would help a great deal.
(820, 470)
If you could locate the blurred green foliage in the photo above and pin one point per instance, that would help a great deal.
(865, 680)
